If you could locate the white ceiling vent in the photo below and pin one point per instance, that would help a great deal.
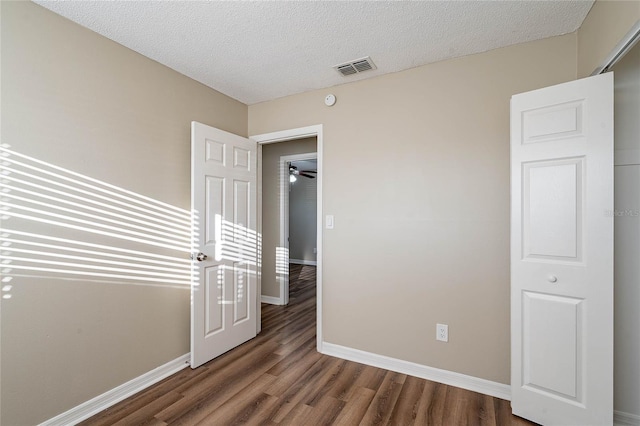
(356, 66)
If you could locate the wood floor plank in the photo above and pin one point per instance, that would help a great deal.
(304, 387)
(214, 391)
(370, 377)
(247, 406)
(455, 406)
(381, 407)
(485, 409)
(345, 381)
(146, 415)
(297, 416)
(405, 410)
(327, 382)
(304, 339)
(289, 381)
(300, 358)
(326, 410)
(431, 406)
(358, 405)
(279, 378)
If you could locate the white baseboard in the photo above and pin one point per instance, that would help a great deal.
(621, 418)
(115, 395)
(271, 300)
(303, 262)
(463, 381)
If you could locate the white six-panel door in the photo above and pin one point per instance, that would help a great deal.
(223, 293)
(562, 253)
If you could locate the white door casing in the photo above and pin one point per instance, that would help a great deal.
(299, 133)
(224, 296)
(562, 253)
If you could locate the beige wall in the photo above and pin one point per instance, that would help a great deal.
(79, 101)
(271, 154)
(425, 236)
(606, 24)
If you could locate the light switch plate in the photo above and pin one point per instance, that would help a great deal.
(329, 221)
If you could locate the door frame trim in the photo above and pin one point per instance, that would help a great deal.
(282, 136)
(283, 279)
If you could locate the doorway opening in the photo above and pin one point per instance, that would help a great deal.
(298, 215)
(273, 280)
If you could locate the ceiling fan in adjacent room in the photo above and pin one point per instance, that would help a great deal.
(293, 172)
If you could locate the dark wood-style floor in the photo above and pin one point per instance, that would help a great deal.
(279, 378)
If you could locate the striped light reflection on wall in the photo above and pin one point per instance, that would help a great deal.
(59, 223)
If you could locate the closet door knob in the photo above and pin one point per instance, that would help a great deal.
(552, 278)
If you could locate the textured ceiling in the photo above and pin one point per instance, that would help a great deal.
(258, 51)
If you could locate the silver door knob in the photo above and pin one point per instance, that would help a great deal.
(552, 278)
(201, 256)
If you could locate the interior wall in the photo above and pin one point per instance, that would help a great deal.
(74, 99)
(627, 233)
(425, 237)
(606, 24)
(303, 212)
(271, 154)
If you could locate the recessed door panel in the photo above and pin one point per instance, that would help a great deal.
(552, 209)
(215, 152)
(240, 290)
(214, 294)
(552, 327)
(214, 207)
(241, 205)
(241, 159)
(552, 122)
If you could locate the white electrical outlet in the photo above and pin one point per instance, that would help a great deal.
(442, 332)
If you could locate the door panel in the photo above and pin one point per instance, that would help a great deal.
(214, 279)
(562, 253)
(242, 204)
(224, 297)
(552, 210)
(552, 122)
(241, 159)
(558, 337)
(215, 152)
(241, 305)
(214, 205)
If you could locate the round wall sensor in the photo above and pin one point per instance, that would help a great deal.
(330, 100)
